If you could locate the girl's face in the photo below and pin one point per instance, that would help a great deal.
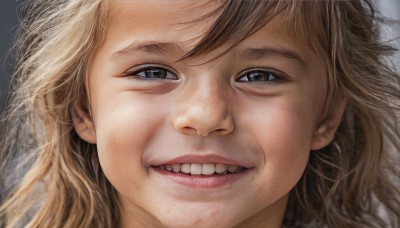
(246, 120)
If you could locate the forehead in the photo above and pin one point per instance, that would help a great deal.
(181, 21)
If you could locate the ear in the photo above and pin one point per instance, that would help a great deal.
(326, 129)
(83, 124)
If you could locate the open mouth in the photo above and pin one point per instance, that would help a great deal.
(206, 169)
(206, 176)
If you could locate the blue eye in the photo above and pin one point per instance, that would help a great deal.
(152, 73)
(258, 76)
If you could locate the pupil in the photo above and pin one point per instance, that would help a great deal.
(155, 73)
(256, 77)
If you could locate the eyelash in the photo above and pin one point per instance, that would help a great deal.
(251, 75)
(170, 74)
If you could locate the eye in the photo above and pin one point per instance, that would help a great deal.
(151, 73)
(259, 76)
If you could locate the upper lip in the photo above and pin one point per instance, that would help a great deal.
(203, 159)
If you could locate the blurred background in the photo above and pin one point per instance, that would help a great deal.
(9, 22)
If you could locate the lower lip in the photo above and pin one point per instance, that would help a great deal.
(203, 181)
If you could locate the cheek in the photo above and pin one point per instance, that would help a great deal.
(284, 133)
(124, 127)
(286, 161)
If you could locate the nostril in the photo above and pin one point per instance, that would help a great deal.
(189, 130)
(200, 127)
(227, 129)
(221, 130)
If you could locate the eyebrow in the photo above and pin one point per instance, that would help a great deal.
(257, 53)
(160, 48)
(155, 48)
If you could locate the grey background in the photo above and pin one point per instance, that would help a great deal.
(8, 22)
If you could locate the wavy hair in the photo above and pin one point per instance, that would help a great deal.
(52, 178)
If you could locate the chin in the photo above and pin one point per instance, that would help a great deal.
(197, 222)
(200, 217)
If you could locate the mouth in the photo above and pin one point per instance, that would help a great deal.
(206, 169)
(202, 176)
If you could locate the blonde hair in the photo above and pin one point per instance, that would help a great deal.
(343, 185)
(58, 40)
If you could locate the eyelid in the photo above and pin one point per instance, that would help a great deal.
(282, 76)
(146, 66)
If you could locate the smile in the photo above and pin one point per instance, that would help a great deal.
(202, 176)
(202, 169)
(209, 171)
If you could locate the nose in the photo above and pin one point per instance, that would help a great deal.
(204, 110)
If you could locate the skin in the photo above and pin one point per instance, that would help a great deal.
(271, 126)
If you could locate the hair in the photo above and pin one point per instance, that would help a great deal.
(52, 178)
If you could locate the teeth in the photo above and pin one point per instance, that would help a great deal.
(220, 168)
(208, 169)
(195, 169)
(232, 168)
(176, 168)
(185, 168)
(204, 169)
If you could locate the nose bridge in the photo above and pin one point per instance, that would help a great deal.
(205, 108)
(210, 95)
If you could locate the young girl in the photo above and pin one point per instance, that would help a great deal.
(201, 114)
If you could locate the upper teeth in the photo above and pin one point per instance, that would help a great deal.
(205, 169)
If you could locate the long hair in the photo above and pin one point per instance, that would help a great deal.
(349, 183)
(60, 183)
